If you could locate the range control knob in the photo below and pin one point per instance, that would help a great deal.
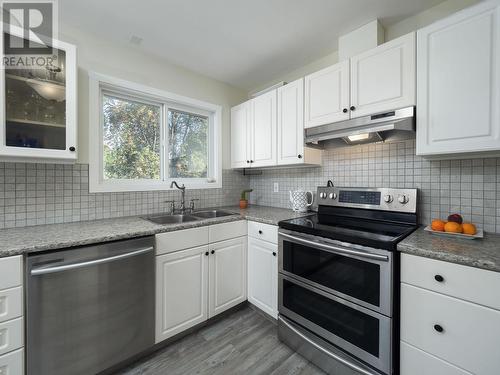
(388, 198)
(322, 195)
(332, 195)
(403, 199)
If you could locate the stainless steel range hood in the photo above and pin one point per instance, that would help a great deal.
(392, 125)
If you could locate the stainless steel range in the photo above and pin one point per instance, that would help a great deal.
(338, 272)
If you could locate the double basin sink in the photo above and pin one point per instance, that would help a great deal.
(185, 218)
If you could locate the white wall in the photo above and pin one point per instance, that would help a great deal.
(391, 32)
(130, 63)
(314, 66)
(426, 17)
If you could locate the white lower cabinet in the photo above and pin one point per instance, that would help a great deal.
(445, 328)
(227, 275)
(11, 316)
(263, 275)
(181, 291)
(263, 267)
(417, 362)
(198, 283)
(12, 363)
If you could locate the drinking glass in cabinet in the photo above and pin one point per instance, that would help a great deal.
(36, 106)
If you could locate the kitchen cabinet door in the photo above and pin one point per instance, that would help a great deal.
(459, 332)
(240, 135)
(38, 114)
(263, 275)
(383, 78)
(291, 123)
(327, 95)
(264, 131)
(417, 362)
(228, 276)
(181, 291)
(458, 82)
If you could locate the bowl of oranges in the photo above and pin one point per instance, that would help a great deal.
(454, 227)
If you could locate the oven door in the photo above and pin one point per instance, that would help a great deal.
(360, 332)
(356, 273)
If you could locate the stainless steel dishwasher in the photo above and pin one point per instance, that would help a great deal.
(89, 308)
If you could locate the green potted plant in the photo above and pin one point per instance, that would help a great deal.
(243, 199)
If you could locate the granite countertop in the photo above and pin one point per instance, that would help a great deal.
(266, 215)
(23, 240)
(480, 253)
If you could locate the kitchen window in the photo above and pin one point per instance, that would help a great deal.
(142, 138)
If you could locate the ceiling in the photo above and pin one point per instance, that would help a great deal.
(245, 43)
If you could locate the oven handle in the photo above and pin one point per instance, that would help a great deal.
(335, 249)
(325, 351)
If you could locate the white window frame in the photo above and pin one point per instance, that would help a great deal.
(99, 84)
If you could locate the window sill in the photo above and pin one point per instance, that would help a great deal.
(132, 186)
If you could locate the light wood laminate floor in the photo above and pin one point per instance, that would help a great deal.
(244, 342)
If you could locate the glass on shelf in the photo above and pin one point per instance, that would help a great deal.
(36, 106)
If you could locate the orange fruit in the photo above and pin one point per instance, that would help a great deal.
(469, 228)
(453, 227)
(438, 225)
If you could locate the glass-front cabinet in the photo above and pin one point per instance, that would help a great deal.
(39, 104)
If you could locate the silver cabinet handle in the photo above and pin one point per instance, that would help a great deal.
(325, 351)
(42, 271)
(335, 249)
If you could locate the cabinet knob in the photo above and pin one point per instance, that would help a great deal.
(248, 161)
(344, 110)
(212, 252)
(72, 148)
(274, 253)
(439, 278)
(353, 108)
(438, 328)
(251, 161)
(206, 253)
(260, 232)
(299, 156)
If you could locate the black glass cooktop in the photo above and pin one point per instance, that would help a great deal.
(366, 232)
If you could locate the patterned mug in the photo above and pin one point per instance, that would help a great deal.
(299, 200)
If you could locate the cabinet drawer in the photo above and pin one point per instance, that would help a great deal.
(12, 363)
(468, 283)
(264, 232)
(11, 271)
(470, 333)
(11, 304)
(417, 362)
(226, 231)
(181, 239)
(11, 335)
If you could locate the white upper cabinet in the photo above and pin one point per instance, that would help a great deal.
(383, 78)
(291, 148)
(240, 131)
(291, 122)
(375, 81)
(458, 82)
(264, 131)
(327, 95)
(38, 116)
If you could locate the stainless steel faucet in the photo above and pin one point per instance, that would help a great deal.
(182, 207)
